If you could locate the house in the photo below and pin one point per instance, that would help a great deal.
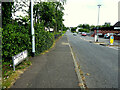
(117, 25)
(49, 29)
(112, 29)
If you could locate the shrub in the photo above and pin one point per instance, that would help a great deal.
(43, 39)
(73, 29)
(83, 30)
(15, 39)
(57, 34)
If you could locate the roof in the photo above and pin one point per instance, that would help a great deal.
(104, 28)
(117, 24)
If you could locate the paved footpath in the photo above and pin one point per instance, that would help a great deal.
(54, 69)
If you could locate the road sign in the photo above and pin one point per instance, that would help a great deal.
(111, 40)
(19, 58)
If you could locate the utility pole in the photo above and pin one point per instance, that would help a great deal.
(32, 30)
(96, 36)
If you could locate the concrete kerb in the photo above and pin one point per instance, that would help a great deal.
(77, 68)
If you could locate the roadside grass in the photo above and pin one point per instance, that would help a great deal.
(9, 76)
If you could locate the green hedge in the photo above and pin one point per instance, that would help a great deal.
(84, 30)
(43, 39)
(73, 29)
(16, 39)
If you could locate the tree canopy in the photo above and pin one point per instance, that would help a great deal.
(51, 13)
(7, 12)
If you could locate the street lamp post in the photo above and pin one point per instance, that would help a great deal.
(96, 36)
(98, 13)
(32, 30)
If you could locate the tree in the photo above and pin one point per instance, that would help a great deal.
(106, 25)
(73, 29)
(79, 26)
(51, 13)
(7, 12)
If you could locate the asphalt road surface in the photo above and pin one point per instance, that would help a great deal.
(100, 62)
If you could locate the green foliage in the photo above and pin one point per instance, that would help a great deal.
(43, 39)
(51, 13)
(106, 25)
(85, 26)
(15, 39)
(57, 34)
(0, 31)
(6, 12)
(73, 29)
(84, 30)
(65, 28)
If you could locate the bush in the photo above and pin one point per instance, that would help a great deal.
(43, 39)
(73, 29)
(57, 34)
(15, 39)
(84, 30)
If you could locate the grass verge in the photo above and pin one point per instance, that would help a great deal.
(11, 76)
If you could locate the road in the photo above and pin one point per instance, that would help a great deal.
(100, 62)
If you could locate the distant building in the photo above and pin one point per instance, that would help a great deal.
(77, 30)
(49, 29)
(117, 25)
(112, 29)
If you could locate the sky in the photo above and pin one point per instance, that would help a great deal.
(86, 12)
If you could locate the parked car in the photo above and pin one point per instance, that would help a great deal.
(84, 34)
(75, 34)
(108, 35)
(80, 32)
(87, 34)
